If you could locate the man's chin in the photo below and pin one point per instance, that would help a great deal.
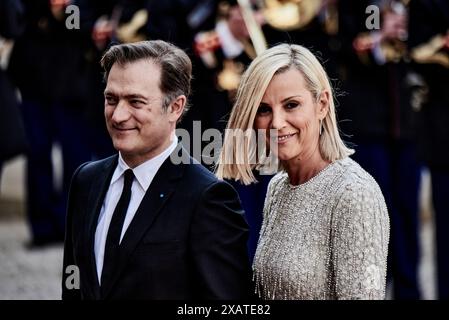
(123, 149)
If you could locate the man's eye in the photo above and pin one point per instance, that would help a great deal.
(137, 103)
(111, 101)
(262, 110)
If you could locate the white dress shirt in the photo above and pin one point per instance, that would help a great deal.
(143, 174)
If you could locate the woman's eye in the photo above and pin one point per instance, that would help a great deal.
(291, 105)
(263, 110)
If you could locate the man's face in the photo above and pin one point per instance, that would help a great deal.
(140, 129)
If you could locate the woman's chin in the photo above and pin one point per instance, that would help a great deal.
(284, 157)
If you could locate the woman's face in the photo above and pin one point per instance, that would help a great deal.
(289, 108)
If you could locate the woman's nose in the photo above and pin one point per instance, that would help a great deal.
(278, 120)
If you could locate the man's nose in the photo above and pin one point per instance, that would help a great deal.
(121, 112)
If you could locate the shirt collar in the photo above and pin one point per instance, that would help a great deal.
(145, 172)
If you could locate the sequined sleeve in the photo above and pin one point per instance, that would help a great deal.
(269, 198)
(360, 243)
(272, 185)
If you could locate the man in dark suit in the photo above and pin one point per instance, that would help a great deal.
(142, 224)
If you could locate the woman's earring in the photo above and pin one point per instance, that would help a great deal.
(321, 127)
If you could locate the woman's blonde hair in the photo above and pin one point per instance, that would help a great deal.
(236, 160)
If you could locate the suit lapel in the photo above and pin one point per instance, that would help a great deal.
(157, 195)
(97, 192)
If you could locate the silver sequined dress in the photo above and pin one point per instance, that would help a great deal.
(324, 239)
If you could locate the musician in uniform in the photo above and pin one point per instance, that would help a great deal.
(429, 45)
(376, 112)
(48, 67)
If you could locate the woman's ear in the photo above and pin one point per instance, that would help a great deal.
(323, 104)
(176, 108)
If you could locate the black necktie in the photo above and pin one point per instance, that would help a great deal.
(111, 250)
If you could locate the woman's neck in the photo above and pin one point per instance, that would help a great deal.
(302, 170)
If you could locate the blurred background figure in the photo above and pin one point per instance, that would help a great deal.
(375, 74)
(48, 67)
(12, 133)
(429, 45)
(98, 22)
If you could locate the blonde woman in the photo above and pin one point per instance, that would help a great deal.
(326, 228)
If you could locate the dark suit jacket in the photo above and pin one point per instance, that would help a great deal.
(187, 239)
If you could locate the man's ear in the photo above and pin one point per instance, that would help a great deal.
(176, 108)
(323, 104)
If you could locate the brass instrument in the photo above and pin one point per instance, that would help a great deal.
(395, 49)
(290, 15)
(229, 78)
(128, 32)
(431, 51)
